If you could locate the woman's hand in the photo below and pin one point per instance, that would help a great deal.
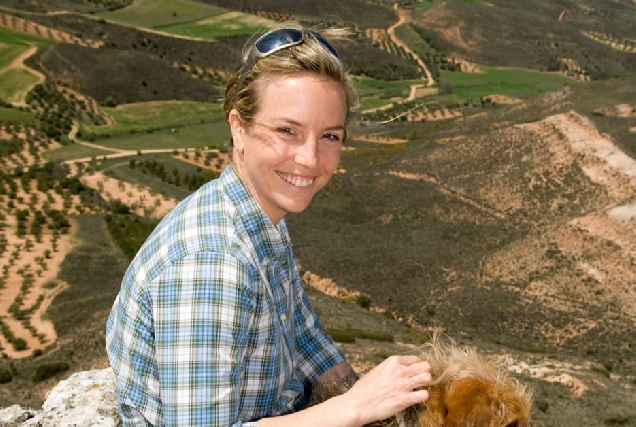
(389, 388)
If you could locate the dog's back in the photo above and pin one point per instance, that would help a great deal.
(466, 390)
(470, 391)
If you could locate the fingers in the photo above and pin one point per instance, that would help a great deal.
(419, 367)
(417, 396)
(413, 367)
(392, 386)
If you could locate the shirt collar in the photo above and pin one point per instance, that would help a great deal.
(269, 240)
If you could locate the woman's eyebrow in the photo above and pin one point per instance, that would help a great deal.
(295, 123)
(337, 127)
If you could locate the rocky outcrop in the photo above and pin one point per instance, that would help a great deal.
(85, 399)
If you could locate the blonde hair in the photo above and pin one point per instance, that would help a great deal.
(308, 56)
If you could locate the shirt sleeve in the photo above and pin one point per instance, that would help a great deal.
(316, 350)
(202, 310)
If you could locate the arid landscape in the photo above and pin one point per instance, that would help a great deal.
(488, 189)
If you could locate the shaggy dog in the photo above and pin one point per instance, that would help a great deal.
(466, 390)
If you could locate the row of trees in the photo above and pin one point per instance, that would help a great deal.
(190, 181)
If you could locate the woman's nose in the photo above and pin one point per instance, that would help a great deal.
(307, 153)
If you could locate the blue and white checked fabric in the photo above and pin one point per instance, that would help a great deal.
(212, 326)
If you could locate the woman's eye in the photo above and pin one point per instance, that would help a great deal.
(332, 137)
(284, 130)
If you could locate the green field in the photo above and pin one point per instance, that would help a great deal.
(73, 151)
(161, 13)
(376, 93)
(512, 82)
(427, 4)
(227, 24)
(212, 134)
(14, 44)
(9, 52)
(16, 116)
(154, 115)
(187, 18)
(10, 37)
(15, 84)
(424, 4)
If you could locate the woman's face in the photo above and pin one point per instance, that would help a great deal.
(293, 147)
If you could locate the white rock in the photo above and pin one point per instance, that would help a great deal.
(84, 399)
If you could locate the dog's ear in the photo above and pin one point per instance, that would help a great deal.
(470, 402)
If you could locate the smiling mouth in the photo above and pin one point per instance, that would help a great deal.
(298, 182)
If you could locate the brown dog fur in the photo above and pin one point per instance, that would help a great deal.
(466, 390)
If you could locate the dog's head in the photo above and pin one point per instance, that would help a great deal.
(470, 391)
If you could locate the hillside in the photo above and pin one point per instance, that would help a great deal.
(489, 188)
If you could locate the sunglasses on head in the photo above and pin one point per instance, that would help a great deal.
(273, 42)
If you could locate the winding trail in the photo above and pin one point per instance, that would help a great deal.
(404, 18)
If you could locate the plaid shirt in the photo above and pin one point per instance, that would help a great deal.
(212, 326)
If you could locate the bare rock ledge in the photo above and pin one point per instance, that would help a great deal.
(85, 399)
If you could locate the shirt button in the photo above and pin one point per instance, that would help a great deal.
(283, 317)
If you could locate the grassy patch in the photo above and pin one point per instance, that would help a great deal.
(228, 24)
(424, 4)
(373, 102)
(93, 271)
(161, 13)
(428, 4)
(516, 83)
(369, 86)
(375, 93)
(15, 115)
(215, 134)
(9, 52)
(350, 335)
(142, 117)
(15, 81)
(73, 151)
(16, 38)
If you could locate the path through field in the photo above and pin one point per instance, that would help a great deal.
(18, 63)
(404, 18)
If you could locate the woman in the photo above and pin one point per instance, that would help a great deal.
(212, 326)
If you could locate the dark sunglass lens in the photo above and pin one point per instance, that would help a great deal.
(278, 39)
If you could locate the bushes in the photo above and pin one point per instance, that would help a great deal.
(349, 335)
(5, 376)
(19, 344)
(49, 370)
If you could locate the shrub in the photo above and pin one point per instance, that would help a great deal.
(360, 300)
(49, 370)
(19, 344)
(342, 336)
(5, 376)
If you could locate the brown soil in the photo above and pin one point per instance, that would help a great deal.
(609, 40)
(20, 257)
(142, 201)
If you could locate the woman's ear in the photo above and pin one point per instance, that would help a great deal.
(237, 129)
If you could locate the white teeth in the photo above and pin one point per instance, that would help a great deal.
(297, 181)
